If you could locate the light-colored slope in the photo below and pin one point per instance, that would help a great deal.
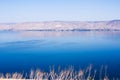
(63, 25)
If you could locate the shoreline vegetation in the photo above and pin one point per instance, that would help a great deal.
(61, 74)
(113, 25)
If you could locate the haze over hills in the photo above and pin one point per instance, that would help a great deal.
(62, 26)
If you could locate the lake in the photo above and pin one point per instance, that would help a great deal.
(25, 50)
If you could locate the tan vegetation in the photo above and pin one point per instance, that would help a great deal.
(64, 74)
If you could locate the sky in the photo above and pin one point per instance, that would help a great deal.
(58, 10)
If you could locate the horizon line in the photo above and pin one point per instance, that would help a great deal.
(59, 21)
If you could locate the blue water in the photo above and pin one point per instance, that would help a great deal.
(22, 51)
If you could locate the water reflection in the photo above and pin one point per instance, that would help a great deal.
(34, 49)
(67, 33)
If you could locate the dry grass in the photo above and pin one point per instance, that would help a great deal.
(64, 74)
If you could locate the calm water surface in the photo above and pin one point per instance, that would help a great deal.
(22, 51)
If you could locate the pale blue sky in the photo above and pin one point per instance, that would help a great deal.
(60, 10)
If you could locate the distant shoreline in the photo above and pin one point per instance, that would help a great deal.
(113, 25)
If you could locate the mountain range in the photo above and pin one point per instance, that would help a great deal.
(62, 26)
